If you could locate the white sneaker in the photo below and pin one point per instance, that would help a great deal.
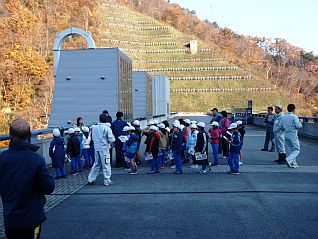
(224, 157)
(240, 163)
(194, 166)
(108, 183)
(288, 164)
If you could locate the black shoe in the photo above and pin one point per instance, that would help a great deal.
(277, 160)
(272, 150)
(91, 183)
(64, 176)
(57, 177)
(138, 162)
(264, 149)
(281, 162)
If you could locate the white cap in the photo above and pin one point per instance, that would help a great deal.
(280, 107)
(126, 128)
(108, 124)
(136, 122)
(71, 131)
(215, 124)
(176, 122)
(193, 122)
(187, 121)
(156, 122)
(77, 129)
(56, 132)
(168, 129)
(153, 127)
(233, 126)
(193, 126)
(179, 126)
(201, 124)
(239, 122)
(161, 126)
(151, 122)
(85, 129)
(132, 128)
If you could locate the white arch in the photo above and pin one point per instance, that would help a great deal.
(60, 38)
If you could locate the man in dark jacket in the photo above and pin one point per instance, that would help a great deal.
(24, 182)
(117, 128)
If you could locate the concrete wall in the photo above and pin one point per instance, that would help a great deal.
(308, 129)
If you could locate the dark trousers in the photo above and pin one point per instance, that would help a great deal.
(269, 138)
(25, 233)
(119, 153)
(225, 147)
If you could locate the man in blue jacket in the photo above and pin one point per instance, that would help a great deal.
(24, 182)
(117, 128)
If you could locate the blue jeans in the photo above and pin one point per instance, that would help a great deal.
(154, 164)
(60, 172)
(234, 162)
(76, 163)
(162, 157)
(86, 154)
(215, 151)
(177, 160)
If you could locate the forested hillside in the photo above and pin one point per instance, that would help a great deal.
(28, 29)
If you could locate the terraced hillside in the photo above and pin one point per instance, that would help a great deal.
(198, 81)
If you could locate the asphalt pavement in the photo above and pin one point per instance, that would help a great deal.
(265, 201)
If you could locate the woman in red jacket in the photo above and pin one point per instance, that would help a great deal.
(214, 139)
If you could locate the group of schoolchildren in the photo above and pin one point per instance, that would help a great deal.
(187, 141)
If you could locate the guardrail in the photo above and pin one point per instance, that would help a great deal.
(44, 142)
(309, 129)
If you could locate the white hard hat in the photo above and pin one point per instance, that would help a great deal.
(193, 126)
(77, 129)
(85, 129)
(180, 126)
(151, 122)
(156, 122)
(56, 132)
(71, 131)
(187, 121)
(239, 122)
(215, 124)
(108, 124)
(153, 127)
(126, 128)
(136, 122)
(168, 129)
(233, 126)
(280, 107)
(201, 124)
(132, 128)
(161, 126)
(176, 122)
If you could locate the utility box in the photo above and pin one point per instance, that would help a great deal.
(194, 47)
(161, 95)
(142, 95)
(88, 81)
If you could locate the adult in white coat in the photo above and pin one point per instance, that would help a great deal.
(279, 135)
(103, 137)
(290, 124)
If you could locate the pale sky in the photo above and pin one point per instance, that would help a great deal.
(294, 20)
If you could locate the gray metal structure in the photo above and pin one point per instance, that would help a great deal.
(60, 38)
(161, 95)
(142, 95)
(89, 81)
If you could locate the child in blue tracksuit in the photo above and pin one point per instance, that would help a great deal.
(79, 136)
(86, 147)
(131, 149)
(176, 147)
(235, 148)
(57, 154)
(127, 135)
(73, 150)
